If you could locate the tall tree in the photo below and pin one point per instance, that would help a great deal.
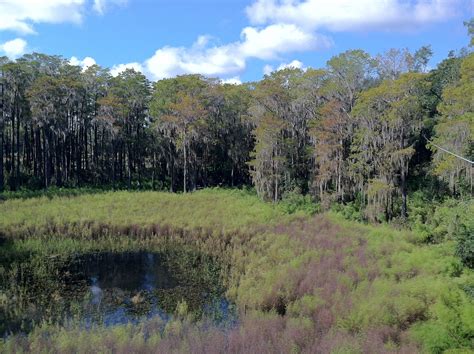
(168, 94)
(268, 164)
(186, 121)
(285, 103)
(396, 62)
(455, 131)
(389, 118)
(3, 60)
(330, 135)
(351, 72)
(230, 136)
(133, 90)
(470, 30)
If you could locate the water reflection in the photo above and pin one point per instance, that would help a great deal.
(110, 289)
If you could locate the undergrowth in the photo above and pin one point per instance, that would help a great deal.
(307, 284)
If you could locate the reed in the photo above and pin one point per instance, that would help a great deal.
(301, 283)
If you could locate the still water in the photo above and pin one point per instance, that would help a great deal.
(108, 289)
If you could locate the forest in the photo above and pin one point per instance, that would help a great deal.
(363, 129)
(228, 179)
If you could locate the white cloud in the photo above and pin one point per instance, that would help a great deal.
(341, 15)
(20, 15)
(222, 60)
(117, 69)
(87, 62)
(14, 48)
(100, 6)
(268, 69)
(172, 61)
(232, 81)
(295, 64)
(270, 42)
(84, 63)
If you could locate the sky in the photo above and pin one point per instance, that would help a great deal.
(235, 40)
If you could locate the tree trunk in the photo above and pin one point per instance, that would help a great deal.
(129, 175)
(185, 167)
(45, 160)
(153, 171)
(2, 122)
(404, 198)
(2, 184)
(12, 152)
(232, 175)
(17, 172)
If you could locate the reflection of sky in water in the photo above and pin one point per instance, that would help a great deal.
(96, 291)
(149, 276)
(112, 289)
(219, 309)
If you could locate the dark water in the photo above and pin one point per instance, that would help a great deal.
(109, 289)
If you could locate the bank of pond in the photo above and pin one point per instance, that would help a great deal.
(220, 271)
(107, 288)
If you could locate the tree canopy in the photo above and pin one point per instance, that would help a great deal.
(355, 130)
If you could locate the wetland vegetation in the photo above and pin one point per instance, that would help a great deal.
(272, 281)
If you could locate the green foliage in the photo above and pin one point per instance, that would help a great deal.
(50, 193)
(450, 220)
(294, 201)
(342, 137)
(470, 30)
(451, 326)
(324, 273)
(353, 210)
(216, 208)
(455, 131)
(465, 245)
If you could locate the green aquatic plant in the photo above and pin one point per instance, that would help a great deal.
(300, 283)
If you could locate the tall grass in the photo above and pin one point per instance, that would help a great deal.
(220, 209)
(302, 284)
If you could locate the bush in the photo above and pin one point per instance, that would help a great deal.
(350, 211)
(449, 220)
(295, 201)
(49, 193)
(465, 246)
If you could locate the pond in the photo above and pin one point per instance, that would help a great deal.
(108, 288)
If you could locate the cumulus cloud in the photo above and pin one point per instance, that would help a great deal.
(295, 64)
(232, 81)
(172, 61)
(268, 69)
(270, 42)
(281, 27)
(84, 63)
(229, 59)
(342, 15)
(20, 15)
(14, 48)
(117, 69)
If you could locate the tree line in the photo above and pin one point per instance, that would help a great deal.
(356, 130)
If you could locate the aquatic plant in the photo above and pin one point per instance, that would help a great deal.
(301, 283)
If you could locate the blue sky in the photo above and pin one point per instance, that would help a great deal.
(230, 39)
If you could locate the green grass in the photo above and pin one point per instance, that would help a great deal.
(211, 208)
(348, 284)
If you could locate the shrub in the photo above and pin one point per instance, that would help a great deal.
(465, 246)
(294, 201)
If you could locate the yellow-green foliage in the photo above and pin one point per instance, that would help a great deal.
(216, 208)
(415, 290)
